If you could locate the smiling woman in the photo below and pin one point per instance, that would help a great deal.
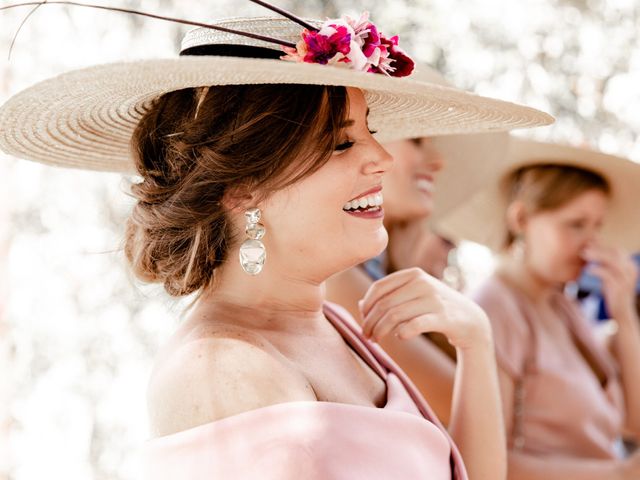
(180, 232)
(231, 145)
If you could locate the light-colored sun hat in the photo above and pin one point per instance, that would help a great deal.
(472, 157)
(85, 118)
(482, 218)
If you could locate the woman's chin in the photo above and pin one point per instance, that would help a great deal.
(571, 274)
(374, 245)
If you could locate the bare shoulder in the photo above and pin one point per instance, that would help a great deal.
(218, 372)
(347, 288)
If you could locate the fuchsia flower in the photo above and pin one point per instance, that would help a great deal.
(396, 60)
(354, 43)
(322, 47)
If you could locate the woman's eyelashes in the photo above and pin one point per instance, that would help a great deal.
(345, 145)
(348, 144)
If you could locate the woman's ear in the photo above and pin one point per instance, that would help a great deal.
(516, 218)
(238, 199)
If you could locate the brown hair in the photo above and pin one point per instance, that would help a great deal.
(192, 146)
(544, 187)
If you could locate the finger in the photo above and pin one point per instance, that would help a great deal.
(608, 278)
(594, 254)
(387, 285)
(408, 292)
(429, 322)
(399, 314)
(628, 263)
(607, 258)
(609, 255)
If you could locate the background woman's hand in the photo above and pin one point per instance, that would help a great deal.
(619, 275)
(410, 302)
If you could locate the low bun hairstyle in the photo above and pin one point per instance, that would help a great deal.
(193, 146)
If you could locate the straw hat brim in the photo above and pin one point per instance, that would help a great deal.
(85, 118)
(482, 218)
(474, 158)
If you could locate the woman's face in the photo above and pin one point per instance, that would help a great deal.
(556, 240)
(409, 186)
(332, 219)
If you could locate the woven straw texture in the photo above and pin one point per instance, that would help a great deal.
(482, 217)
(85, 118)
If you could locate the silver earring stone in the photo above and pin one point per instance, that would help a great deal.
(252, 251)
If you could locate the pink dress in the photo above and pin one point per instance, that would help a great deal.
(318, 440)
(561, 409)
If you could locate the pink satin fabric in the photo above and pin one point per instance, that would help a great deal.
(317, 440)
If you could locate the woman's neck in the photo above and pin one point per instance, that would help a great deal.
(520, 276)
(272, 296)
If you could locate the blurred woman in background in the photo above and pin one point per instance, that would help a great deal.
(567, 401)
(422, 187)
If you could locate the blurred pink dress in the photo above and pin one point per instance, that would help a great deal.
(318, 440)
(561, 409)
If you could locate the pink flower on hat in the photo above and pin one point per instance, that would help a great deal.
(356, 44)
(322, 46)
(395, 59)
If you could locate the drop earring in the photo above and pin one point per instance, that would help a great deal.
(252, 251)
(519, 248)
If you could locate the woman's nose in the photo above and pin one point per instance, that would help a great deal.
(380, 161)
(431, 156)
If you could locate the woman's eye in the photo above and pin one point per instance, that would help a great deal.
(345, 145)
(577, 225)
(348, 144)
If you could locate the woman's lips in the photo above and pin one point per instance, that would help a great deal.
(370, 213)
(366, 205)
(371, 191)
(425, 184)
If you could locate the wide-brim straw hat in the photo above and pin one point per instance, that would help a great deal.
(85, 118)
(472, 157)
(482, 218)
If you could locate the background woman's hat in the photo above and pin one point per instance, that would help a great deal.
(85, 118)
(470, 161)
(472, 156)
(482, 217)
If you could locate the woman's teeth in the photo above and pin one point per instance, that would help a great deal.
(425, 185)
(368, 201)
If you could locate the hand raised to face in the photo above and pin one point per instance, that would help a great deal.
(619, 275)
(410, 302)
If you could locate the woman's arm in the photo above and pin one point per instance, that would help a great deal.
(409, 302)
(476, 418)
(626, 348)
(619, 274)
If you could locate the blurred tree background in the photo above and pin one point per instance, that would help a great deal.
(78, 334)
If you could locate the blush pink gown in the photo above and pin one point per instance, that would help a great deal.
(318, 440)
(562, 410)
